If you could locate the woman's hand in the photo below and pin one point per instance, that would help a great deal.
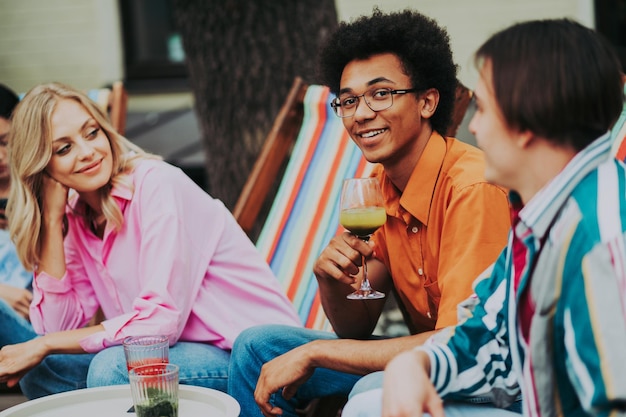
(54, 199)
(18, 298)
(16, 360)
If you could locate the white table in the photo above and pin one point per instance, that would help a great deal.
(114, 401)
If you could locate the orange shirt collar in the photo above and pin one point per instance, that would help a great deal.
(415, 201)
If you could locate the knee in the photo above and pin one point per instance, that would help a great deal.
(30, 384)
(258, 345)
(258, 341)
(249, 345)
(367, 383)
(108, 367)
(364, 404)
(55, 374)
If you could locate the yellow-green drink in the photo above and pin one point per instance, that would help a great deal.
(363, 221)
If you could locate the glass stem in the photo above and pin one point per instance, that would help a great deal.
(365, 284)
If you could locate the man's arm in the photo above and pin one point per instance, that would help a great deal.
(463, 357)
(360, 357)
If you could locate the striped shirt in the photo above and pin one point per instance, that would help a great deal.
(572, 362)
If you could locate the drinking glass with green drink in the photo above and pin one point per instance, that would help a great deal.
(362, 213)
(154, 389)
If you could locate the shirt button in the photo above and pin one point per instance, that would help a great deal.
(415, 229)
(429, 315)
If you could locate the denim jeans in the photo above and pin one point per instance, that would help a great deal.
(200, 364)
(13, 327)
(16, 329)
(260, 344)
(369, 404)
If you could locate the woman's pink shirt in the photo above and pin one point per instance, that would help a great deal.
(180, 266)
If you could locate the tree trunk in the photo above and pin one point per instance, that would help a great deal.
(242, 56)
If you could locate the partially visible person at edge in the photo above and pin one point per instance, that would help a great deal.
(548, 320)
(395, 80)
(15, 281)
(135, 237)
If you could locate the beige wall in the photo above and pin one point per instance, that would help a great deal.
(79, 41)
(470, 22)
(73, 41)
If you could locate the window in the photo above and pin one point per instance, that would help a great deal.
(153, 51)
(611, 22)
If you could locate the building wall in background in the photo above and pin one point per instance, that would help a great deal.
(471, 22)
(79, 41)
(72, 41)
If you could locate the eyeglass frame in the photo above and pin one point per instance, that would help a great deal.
(336, 102)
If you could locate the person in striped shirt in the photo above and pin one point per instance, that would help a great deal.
(549, 318)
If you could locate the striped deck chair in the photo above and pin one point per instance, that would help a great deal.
(304, 215)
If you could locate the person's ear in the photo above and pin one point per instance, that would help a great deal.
(430, 98)
(525, 139)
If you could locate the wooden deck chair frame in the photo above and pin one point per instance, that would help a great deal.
(114, 101)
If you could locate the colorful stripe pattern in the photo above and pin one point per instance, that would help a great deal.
(573, 362)
(305, 214)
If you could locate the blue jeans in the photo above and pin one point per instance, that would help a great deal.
(260, 344)
(369, 404)
(13, 327)
(200, 364)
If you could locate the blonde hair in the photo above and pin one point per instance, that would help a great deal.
(30, 151)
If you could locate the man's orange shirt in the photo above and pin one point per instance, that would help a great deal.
(445, 229)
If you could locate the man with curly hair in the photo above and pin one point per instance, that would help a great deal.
(394, 80)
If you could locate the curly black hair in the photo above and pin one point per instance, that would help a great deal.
(421, 44)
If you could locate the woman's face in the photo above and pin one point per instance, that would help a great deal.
(81, 152)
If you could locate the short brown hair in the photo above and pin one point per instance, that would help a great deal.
(555, 78)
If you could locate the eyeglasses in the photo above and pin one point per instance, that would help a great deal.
(376, 99)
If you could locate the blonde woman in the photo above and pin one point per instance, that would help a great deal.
(104, 224)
